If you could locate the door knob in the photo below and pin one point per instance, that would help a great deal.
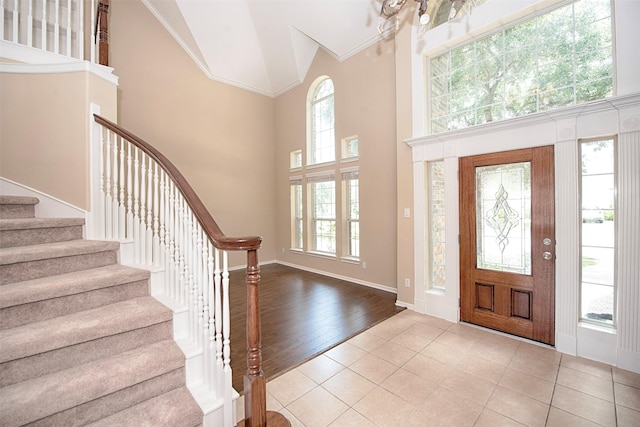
(546, 255)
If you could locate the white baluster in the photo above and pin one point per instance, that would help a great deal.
(155, 248)
(180, 249)
(80, 38)
(218, 324)
(193, 277)
(101, 209)
(162, 243)
(68, 30)
(170, 273)
(121, 196)
(2, 18)
(136, 205)
(188, 238)
(176, 241)
(116, 184)
(15, 17)
(149, 232)
(30, 25)
(43, 36)
(226, 330)
(129, 221)
(209, 330)
(109, 197)
(143, 207)
(56, 28)
(201, 280)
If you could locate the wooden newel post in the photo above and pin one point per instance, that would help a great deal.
(103, 32)
(255, 383)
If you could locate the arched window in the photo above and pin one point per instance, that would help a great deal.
(321, 147)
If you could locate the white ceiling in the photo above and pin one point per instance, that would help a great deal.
(266, 46)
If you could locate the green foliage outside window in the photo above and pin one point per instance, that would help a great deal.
(560, 58)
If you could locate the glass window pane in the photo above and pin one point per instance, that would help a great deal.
(322, 138)
(352, 212)
(554, 60)
(350, 147)
(597, 303)
(296, 215)
(296, 159)
(598, 265)
(598, 246)
(503, 215)
(324, 214)
(597, 157)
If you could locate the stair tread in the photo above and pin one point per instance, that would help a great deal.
(40, 397)
(18, 254)
(18, 200)
(83, 326)
(31, 223)
(44, 288)
(178, 409)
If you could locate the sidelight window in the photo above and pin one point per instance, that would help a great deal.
(436, 222)
(597, 231)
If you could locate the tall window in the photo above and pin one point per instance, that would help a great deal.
(560, 58)
(323, 213)
(436, 221)
(598, 224)
(322, 135)
(350, 184)
(297, 219)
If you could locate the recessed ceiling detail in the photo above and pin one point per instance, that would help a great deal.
(267, 46)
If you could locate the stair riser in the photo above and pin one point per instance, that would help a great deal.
(17, 211)
(52, 361)
(12, 238)
(18, 272)
(11, 317)
(112, 403)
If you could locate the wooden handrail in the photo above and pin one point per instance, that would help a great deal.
(209, 225)
(256, 414)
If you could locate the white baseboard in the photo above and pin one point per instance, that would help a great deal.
(340, 277)
(566, 344)
(49, 206)
(405, 305)
(629, 360)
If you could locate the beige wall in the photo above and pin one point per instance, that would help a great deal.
(220, 137)
(404, 165)
(44, 130)
(364, 106)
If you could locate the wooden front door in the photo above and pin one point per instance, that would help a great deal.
(507, 242)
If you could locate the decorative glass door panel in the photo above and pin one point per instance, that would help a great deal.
(503, 215)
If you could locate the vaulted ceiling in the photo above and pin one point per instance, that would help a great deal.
(267, 46)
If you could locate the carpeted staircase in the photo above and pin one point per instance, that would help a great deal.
(81, 340)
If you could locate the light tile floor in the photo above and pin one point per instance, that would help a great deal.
(417, 370)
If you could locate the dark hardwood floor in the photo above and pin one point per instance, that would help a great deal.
(303, 314)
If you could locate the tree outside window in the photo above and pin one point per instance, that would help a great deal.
(560, 58)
